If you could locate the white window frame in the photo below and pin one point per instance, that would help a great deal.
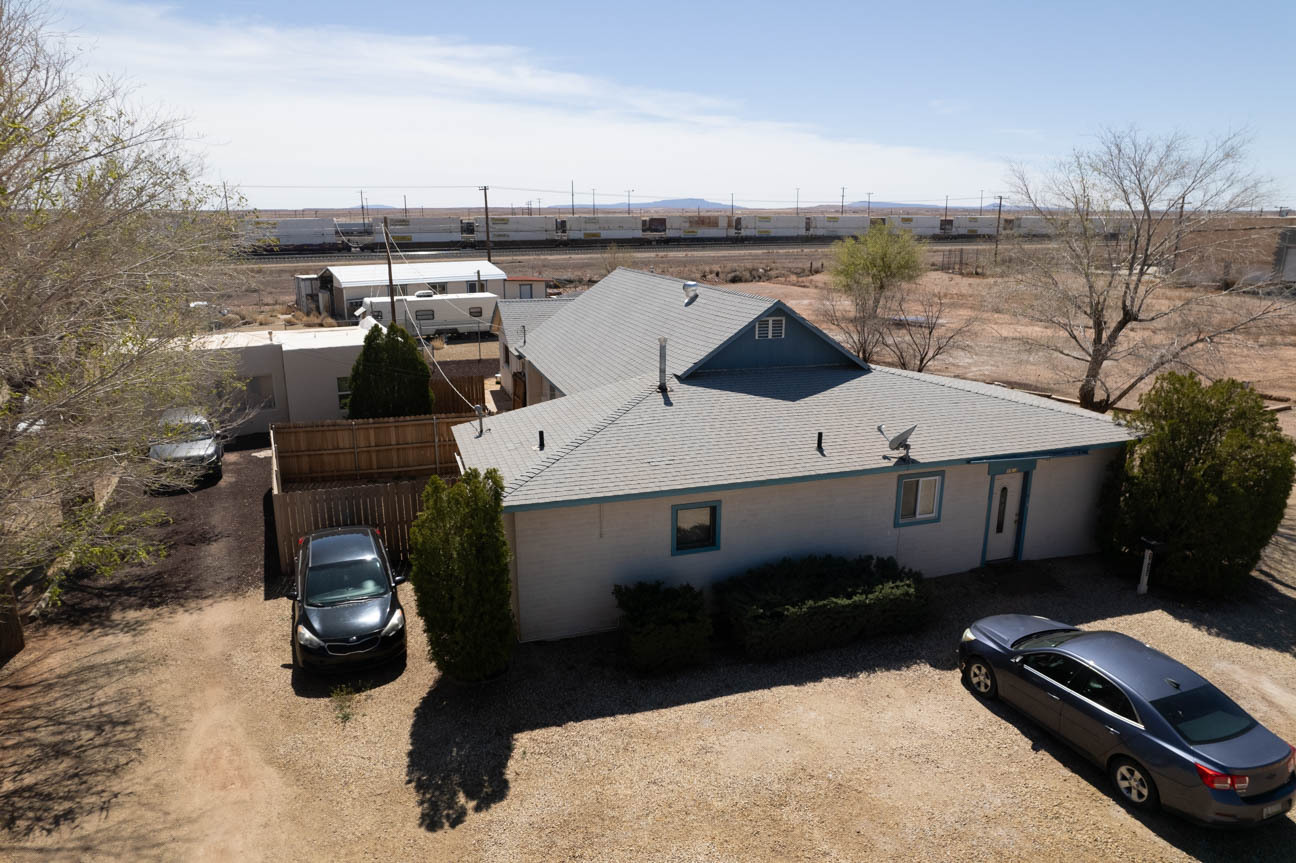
(772, 327)
(936, 482)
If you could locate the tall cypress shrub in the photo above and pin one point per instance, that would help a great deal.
(460, 575)
(389, 378)
(1209, 477)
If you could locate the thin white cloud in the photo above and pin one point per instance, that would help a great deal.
(330, 106)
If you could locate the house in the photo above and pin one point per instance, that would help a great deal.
(291, 375)
(525, 288)
(688, 432)
(514, 322)
(339, 291)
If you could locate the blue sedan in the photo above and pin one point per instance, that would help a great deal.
(1163, 733)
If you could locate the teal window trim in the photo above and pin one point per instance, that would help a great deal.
(675, 550)
(940, 497)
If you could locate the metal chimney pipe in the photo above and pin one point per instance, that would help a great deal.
(661, 364)
(541, 439)
(819, 443)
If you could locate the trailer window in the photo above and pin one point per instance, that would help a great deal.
(376, 314)
(475, 311)
(425, 315)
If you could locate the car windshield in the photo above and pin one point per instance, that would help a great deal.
(1049, 638)
(345, 581)
(1204, 715)
(188, 431)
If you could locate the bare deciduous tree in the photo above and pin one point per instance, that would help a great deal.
(1134, 222)
(919, 333)
(108, 238)
(614, 257)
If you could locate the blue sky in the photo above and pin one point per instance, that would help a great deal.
(909, 101)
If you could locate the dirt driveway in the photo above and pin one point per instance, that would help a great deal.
(161, 723)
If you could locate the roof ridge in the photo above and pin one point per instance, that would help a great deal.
(992, 391)
(573, 444)
(706, 285)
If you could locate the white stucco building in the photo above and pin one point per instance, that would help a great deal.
(759, 441)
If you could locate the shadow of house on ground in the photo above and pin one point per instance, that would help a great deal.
(462, 737)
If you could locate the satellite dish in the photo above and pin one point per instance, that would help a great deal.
(900, 441)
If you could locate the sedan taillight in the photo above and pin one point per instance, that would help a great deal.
(1222, 781)
(1291, 759)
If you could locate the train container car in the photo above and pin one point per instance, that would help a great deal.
(421, 231)
(920, 226)
(699, 227)
(604, 228)
(974, 226)
(516, 230)
(839, 226)
(1031, 226)
(761, 226)
(291, 235)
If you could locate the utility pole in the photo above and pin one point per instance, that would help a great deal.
(628, 191)
(593, 203)
(486, 206)
(573, 191)
(798, 200)
(731, 206)
(843, 203)
(362, 207)
(998, 218)
(391, 284)
(870, 206)
(946, 207)
(405, 205)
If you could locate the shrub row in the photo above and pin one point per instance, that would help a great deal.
(794, 606)
(780, 609)
(662, 628)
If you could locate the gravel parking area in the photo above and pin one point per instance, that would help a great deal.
(172, 729)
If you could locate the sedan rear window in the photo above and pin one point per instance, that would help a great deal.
(345, 581)
(1204, 715)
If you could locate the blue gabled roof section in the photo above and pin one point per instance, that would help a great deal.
(803, 344)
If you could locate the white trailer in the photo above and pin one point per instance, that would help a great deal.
(839, 226)
(974, 226)
(699, 227)
(442, 231)
(443, 314)
(522, 229)
(921, 226)
(291, 234)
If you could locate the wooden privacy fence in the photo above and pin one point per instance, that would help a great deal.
(364, 450)
(390, 507)
(472, 387)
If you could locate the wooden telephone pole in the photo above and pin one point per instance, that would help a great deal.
(486, 206)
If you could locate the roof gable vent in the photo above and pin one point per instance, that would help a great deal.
(772, 327)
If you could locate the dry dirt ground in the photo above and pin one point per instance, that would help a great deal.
(159, 720)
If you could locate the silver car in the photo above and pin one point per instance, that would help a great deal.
(189, 445)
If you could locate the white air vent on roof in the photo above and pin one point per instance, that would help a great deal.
(770, 328)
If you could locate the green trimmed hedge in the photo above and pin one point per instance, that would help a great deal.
(794, 606)
(662, 628)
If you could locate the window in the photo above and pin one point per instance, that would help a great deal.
(473, 287)
(344, 393)
(1089, 684)
(918, 498)
(259, 393)
(376, 314)
(770, 328)
(425, 315)
(1057, 668)
(1204, 715)
(1003, 509)
(696, 527)
(474, 311)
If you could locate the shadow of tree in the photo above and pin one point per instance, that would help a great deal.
(70, 727)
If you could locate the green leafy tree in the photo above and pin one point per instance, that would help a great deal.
(460, 575)
(1210, 478)
(389, 378)
(867, 273)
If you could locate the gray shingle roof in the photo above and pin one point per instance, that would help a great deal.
(610, 332)
(516, 314)
(716, 429)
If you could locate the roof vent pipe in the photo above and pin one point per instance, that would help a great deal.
(541, 446)
(690, 291)
(661, 364)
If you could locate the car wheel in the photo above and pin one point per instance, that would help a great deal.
(1134, 784)
(981, 677)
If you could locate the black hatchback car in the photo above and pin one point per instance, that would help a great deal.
(1164, 734)
(345, 611)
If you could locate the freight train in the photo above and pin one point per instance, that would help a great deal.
(442, 232)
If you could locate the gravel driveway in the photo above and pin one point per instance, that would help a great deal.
(162, 723)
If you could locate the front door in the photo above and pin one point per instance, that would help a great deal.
(1005, 510)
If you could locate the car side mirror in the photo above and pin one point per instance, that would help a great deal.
(1017, 660)
(291, 593)
(400, 579)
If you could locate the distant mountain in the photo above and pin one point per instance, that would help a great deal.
(894, 205)
(685, 204)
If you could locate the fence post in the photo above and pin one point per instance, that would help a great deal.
(436, 445)
(355, 449)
